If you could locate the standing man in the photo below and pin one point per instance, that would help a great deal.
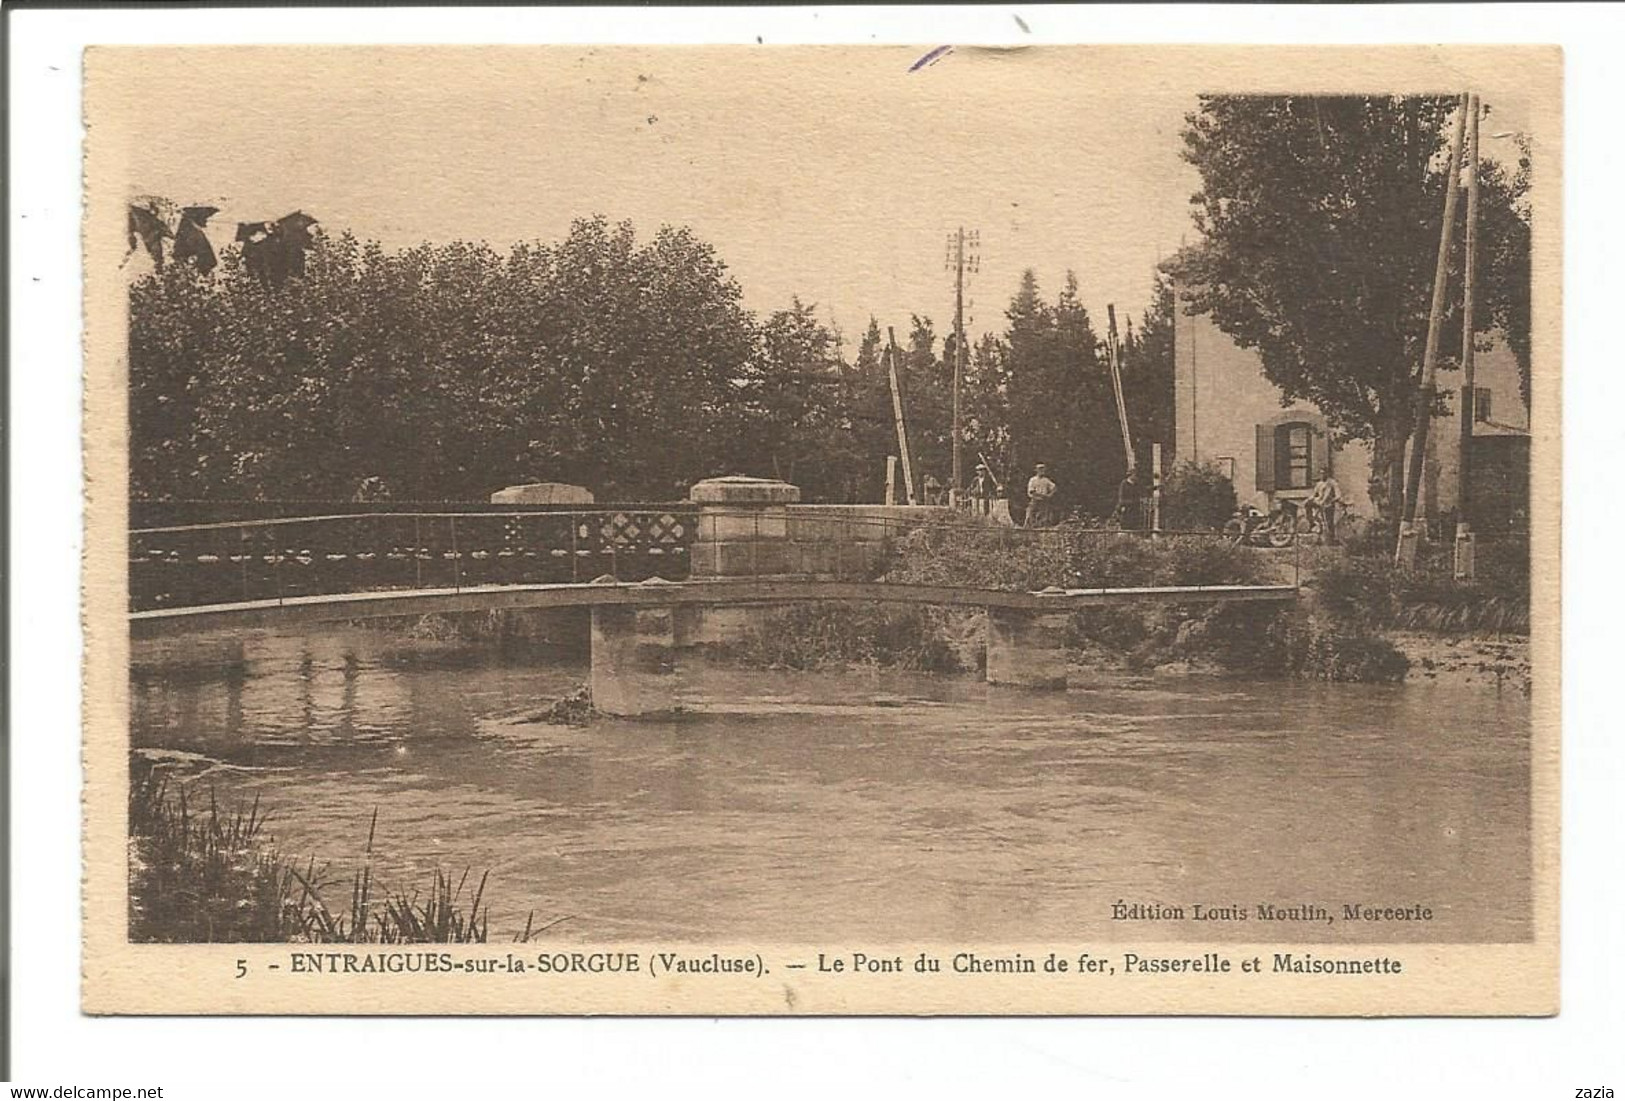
(981, 491)
(1129, 512)
(933, 490)
(1040, 498)
(1327, 499)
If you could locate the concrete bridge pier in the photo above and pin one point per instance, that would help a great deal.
(634, 667)
(1026, 648)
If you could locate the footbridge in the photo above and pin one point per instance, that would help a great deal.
(741, 544)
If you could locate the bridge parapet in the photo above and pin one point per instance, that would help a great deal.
(849, 541)
(757, 527)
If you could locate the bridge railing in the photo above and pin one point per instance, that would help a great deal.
(282, 557)
(221, 563)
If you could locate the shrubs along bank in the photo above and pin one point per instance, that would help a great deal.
(1257, 639)
(1364, 588)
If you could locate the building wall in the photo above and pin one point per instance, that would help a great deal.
(1495, 370)
(1221, 398)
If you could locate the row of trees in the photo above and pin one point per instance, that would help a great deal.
(632, 367)
(627, 366)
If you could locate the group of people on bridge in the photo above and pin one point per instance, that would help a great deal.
(986, 496)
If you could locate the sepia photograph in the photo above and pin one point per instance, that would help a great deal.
(862, 529)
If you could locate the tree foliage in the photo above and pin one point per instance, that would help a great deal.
(448, 370)
(1320, 218)
(1197, 497)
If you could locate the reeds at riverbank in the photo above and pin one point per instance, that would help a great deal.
(200, 873)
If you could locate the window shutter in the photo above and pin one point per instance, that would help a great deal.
(1264, 479)
(1320, 453)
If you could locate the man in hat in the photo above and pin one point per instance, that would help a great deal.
(1040, 498)
(982, 488)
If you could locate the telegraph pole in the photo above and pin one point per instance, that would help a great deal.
(958, 261)
(1465, 401)
(1405, 552)
(897, 413)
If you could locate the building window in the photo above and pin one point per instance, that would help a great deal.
(1481, 403)
(1290, 456)
(1292, 463)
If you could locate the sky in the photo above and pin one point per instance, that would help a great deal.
(832, 174)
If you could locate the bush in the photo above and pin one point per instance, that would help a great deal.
(1197, 497)
(1370, 593)
(813, 636)
(1337, 652)
(982, 556)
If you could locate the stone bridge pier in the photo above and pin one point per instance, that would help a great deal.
(743, 532)
(634, 659)
(1026, 648)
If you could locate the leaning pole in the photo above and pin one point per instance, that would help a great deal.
(1405, 551)
(1466, 410)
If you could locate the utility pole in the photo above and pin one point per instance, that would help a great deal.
(1466, 400)
(958, 262)
(1114, 363)
(1405, 552)
(897, 413)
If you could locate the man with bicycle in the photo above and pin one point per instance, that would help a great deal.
(1324, 502)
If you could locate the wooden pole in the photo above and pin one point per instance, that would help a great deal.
(897, 414)
(1114, 364)
(1465, 403)
(1156, 487)
(1405, 552)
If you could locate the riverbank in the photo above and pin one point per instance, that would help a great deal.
(1498, 662)
(1253, 640)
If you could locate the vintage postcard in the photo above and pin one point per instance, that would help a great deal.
(861, 530)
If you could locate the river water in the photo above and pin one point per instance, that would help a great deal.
(811, 807)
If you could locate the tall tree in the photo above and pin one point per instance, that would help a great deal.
(1320, 222)
(1058, 397)
(793, 422)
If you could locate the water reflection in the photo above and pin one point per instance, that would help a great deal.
(807, 807)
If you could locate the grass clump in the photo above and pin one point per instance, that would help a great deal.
(205, 874)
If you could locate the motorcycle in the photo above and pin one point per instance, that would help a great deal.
(1250, 527)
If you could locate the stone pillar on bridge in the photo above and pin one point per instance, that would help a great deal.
(634, 671)
(744, 531)
(1026, 648)
(744, 526)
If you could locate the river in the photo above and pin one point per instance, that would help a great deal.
(868, 806)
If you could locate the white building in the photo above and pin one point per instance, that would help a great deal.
(1227, 413)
